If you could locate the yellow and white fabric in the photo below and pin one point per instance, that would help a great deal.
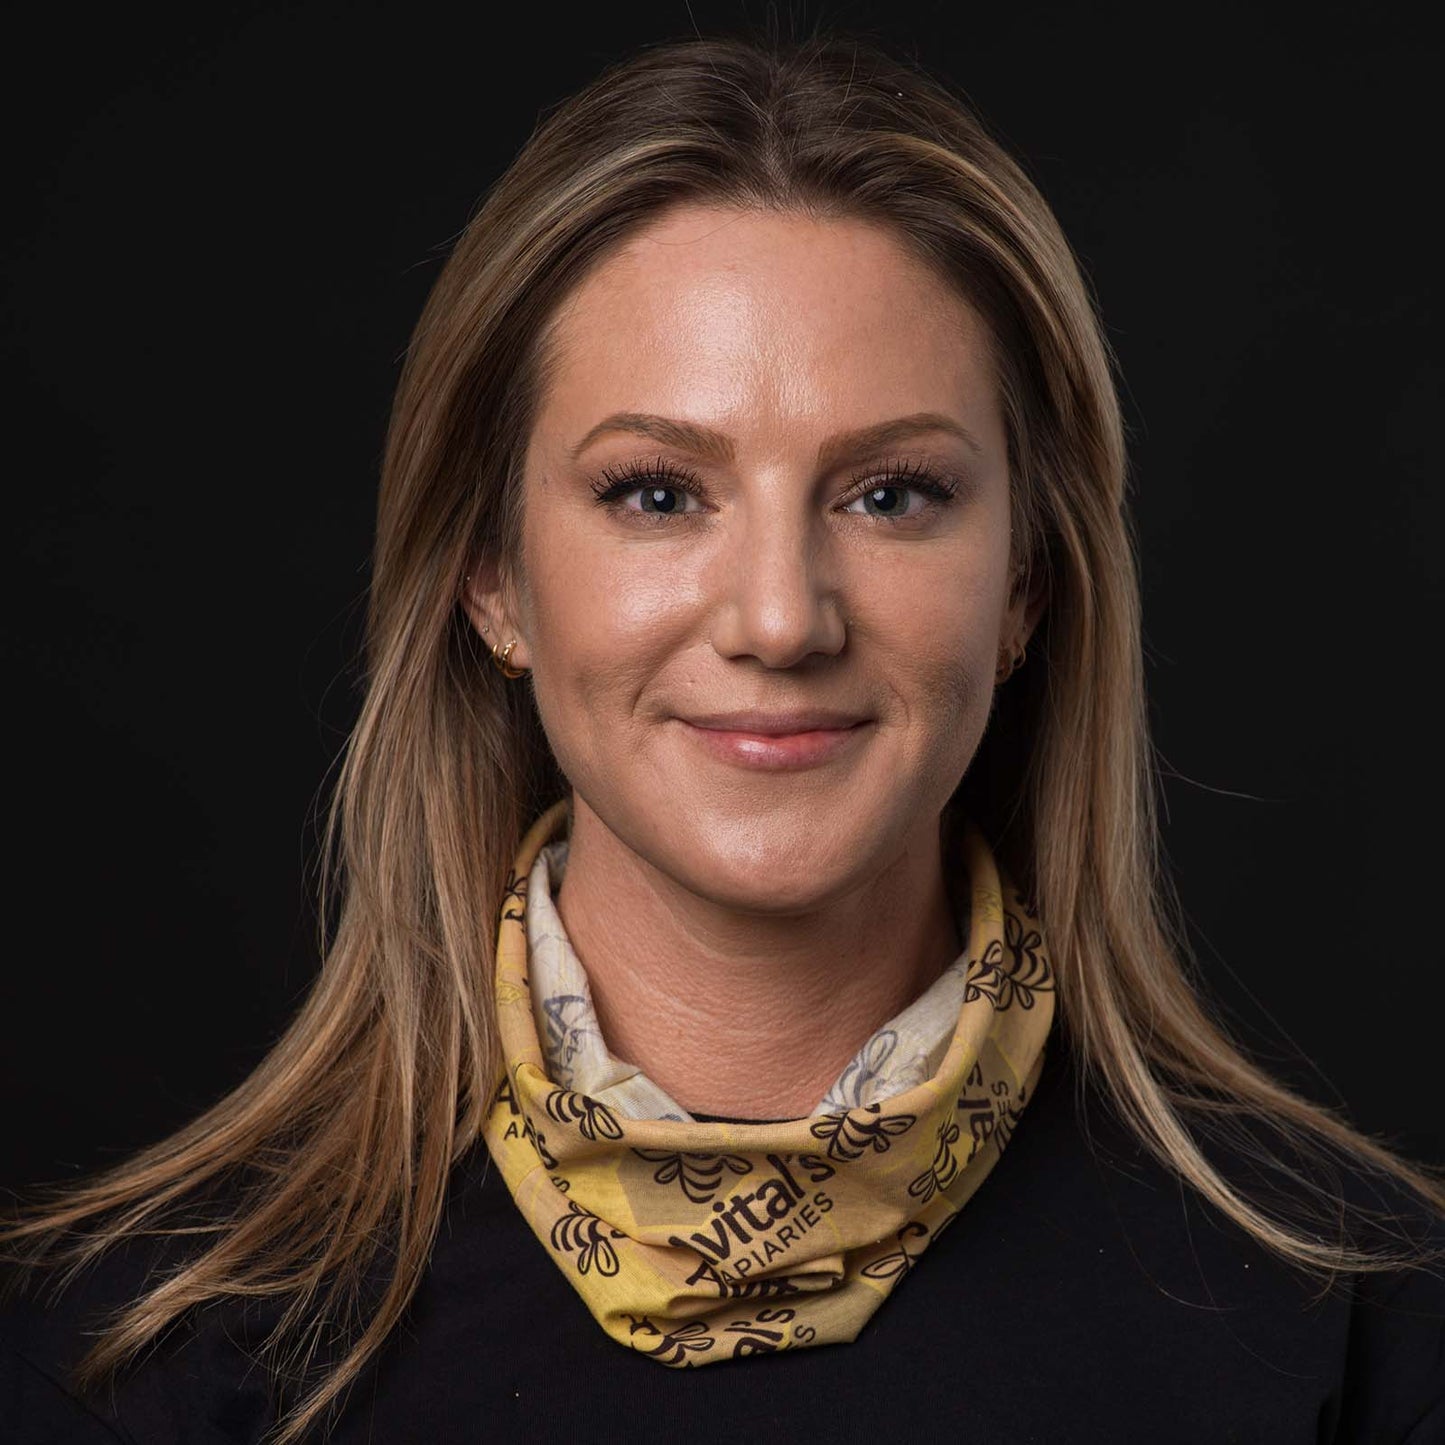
(695, 1242)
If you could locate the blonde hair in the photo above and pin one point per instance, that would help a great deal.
(337, 1150)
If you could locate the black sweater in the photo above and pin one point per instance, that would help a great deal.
(1082, 1295)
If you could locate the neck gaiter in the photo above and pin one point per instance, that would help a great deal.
(694, 1242)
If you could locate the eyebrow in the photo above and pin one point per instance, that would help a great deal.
(717, 446)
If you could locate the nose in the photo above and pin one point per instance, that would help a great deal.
(779, 601)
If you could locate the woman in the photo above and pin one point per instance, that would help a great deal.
(748, 850)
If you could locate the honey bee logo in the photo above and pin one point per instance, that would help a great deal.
(897, 1263)
(582, 1233)
(944, 1169)
(699, 1176)
(849, 1136)
(863, 1069)
(1017, 977)
(592, 1120)
(514, 899)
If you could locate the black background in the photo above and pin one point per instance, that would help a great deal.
(225, 222)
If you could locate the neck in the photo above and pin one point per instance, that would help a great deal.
(748, 1015)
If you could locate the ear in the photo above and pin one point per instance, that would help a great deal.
(486, 598)
(1026, 606)
(1036, 598)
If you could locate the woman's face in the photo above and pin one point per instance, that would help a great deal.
(769, 480)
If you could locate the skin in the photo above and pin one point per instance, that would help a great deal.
(745, 930)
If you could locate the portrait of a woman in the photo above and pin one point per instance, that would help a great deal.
(754, 1010)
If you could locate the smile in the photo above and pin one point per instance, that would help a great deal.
(776, 751)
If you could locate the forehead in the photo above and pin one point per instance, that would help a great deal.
(718, 313)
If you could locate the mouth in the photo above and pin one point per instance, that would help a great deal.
(778, 742)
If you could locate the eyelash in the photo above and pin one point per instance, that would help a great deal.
(618, 482)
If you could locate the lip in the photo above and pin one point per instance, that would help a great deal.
(775, 749)
(778, 723)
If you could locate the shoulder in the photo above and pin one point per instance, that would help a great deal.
(1386, 1327)
(198, 1383)
(1395, 1365)
(40, 1407)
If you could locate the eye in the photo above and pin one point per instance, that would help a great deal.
(666, 499)
(663, 490)
(902, 492)
(890, 501)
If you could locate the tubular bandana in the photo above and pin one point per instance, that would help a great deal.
(693, 1242)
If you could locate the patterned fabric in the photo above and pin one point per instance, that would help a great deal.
(696, 1242)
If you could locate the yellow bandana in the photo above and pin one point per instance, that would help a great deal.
(692, 1242)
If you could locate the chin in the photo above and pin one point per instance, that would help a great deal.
(767, 895)
(774, 870)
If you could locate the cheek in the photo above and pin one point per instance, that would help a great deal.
(942, 659)
(946, 675)
(603, 624)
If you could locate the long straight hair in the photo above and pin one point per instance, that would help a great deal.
(329, 1165)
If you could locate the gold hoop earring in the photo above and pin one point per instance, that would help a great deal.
(503, 660)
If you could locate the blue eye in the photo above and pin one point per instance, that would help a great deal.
(896, 492)
(666, 499)
(664, 490)
(891, 501)
(886, 492)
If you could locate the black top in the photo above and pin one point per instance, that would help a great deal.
(1082, 1295)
